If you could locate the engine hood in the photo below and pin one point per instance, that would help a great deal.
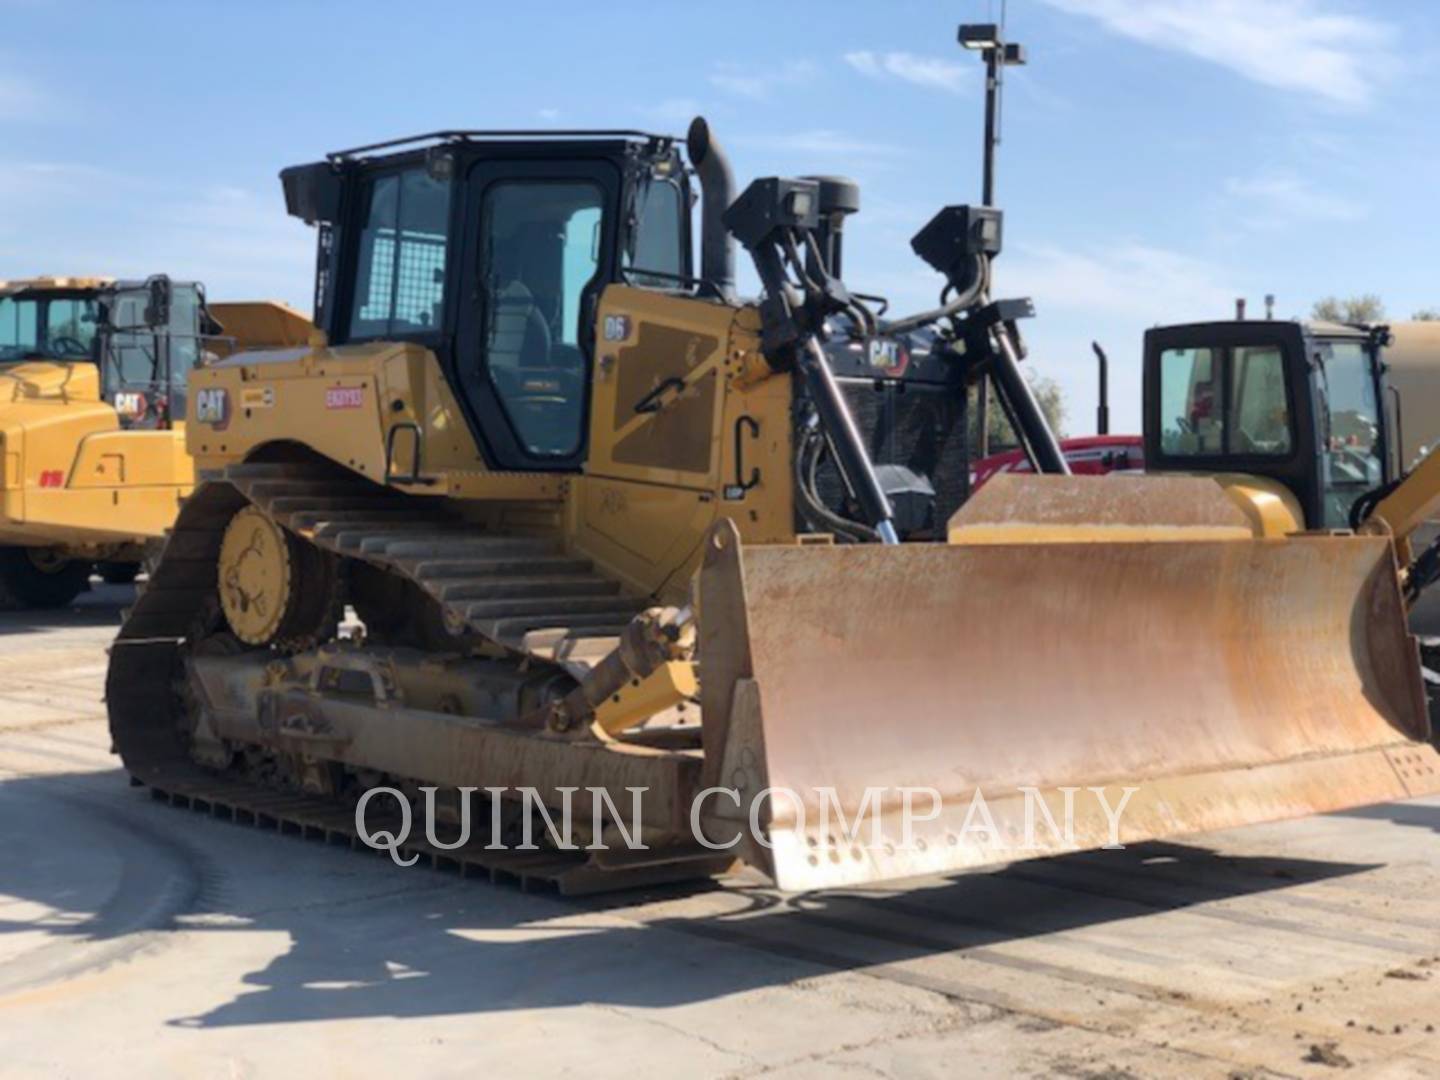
(48, 381)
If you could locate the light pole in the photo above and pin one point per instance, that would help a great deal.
(987, 39)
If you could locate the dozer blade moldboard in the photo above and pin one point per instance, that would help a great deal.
(1227, 681)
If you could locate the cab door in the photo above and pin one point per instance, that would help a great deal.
(541, 250)
(150, 342)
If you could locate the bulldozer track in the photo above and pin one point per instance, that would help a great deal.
(521, 592)
(318, 819)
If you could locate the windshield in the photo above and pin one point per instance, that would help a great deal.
(53, 327)
(1352, 448)
(147, 367)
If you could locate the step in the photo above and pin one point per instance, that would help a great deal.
(489, 587)
(317, 519)
(471, 547)
(509, 631)
(356, 536)
(560, 610)
(428, 570)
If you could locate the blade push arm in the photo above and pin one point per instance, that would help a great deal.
(775, 220)
(1397, 513)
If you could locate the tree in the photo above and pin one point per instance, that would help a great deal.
(1052, 404)
(1428, 314)
(1365, 308)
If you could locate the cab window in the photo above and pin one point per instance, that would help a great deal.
(541, 256)
(133, 355)
(1192, 420)
(19, 328)
(69, 327)
(1224, 401)
(655, 254)
(184, 332)
(1258, 405)
(1352, 449)
(400, 270)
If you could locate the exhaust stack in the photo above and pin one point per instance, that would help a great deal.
(717, 182)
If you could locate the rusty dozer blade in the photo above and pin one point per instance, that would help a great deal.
(1225, 681)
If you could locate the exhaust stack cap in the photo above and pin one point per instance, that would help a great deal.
(838, 195)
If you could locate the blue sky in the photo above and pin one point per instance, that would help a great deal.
(1161, 157)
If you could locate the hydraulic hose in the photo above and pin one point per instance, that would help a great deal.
(845, 439)
(979, 286)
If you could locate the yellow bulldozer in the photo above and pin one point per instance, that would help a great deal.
(608, 530)
(92, 405)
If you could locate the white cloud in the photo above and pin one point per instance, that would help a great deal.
(1300, 45)
(927, 71)
(1132, 280)
(1278, 198)
(759, 85)
(548, 115)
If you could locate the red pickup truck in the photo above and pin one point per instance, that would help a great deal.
(1089, 455)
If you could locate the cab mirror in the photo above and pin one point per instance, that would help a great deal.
(157, 302)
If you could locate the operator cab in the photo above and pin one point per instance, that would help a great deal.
(144, 336)
(1295, 402)
(492, 250)
(150, 336)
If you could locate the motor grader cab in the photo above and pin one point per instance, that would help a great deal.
(610, 528)
(1310, 419)
(93, 399)
(1298, 406)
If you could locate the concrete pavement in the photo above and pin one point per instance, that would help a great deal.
(140, 940)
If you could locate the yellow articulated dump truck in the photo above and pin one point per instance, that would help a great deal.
(689, 577)
(93, 376)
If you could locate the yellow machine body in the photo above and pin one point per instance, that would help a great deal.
(74, 479)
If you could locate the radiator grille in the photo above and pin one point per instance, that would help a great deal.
(920, 427)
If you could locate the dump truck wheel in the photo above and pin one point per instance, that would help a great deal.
(118, 573)
(275, 589)
(41, 577)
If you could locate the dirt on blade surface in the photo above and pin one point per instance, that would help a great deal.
(182, 944)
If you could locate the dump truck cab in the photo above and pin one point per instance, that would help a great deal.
(1292, 413)
(93, 397)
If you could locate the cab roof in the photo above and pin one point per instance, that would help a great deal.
(51, 284)
(533, 136)
(1310, 327)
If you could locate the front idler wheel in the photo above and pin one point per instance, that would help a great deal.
(276, 589)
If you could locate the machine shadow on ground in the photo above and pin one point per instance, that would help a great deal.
(103, 605)
(1419, 815)
(370, 940)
